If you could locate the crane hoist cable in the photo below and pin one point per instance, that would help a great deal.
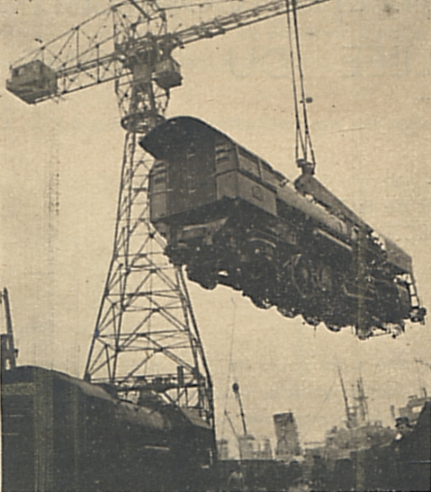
(230, 367)
(302, 136)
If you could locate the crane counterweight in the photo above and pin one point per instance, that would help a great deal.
(32, 81)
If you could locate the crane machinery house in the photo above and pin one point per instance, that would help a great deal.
(32, 81)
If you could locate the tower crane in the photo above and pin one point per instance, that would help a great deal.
(244, 440)
(146, 335)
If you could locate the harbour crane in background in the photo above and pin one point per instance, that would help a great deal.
(245, 440)
(145, 318)
(9, 353)
(235, 389)
(356, 415)
(235, 433)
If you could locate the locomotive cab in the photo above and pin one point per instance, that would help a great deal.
(205, 167)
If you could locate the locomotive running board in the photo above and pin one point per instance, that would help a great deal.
(308, 184)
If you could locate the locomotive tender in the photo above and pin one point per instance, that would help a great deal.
(233, 220)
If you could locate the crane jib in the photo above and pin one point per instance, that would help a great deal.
(92, 59)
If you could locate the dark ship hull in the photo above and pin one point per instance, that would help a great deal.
(403, 464)
(60, 433)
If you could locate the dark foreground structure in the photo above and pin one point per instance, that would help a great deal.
(63, 434)
(234, 220)
(403, 465)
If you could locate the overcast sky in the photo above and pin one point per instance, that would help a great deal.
(367, 67)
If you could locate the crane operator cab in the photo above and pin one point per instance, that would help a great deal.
(32, 81)
(168, 73)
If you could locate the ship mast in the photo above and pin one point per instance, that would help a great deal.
(362, 401)
(347, 408)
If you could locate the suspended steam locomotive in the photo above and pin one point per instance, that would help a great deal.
(233, 220)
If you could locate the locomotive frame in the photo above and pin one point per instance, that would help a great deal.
(234, 220)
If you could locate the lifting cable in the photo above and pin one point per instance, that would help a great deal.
(230, 369)
(302, 138)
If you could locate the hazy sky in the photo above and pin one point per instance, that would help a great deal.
(367, 67)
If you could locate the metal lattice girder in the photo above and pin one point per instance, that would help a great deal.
(91, 53)
(145, 329)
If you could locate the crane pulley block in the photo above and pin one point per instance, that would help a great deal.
(32, 81)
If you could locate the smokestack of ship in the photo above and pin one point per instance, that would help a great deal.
(286, 432)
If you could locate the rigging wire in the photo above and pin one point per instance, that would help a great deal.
(298, 132)
(328, 394)
(321, 407)
(303, 136)
(301, 78)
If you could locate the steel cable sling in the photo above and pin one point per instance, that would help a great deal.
(302, 139)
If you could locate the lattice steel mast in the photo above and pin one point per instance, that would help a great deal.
(146, 336)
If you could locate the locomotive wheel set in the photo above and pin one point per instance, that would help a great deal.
(233, 220)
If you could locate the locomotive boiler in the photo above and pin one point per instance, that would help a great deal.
(234, 220)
